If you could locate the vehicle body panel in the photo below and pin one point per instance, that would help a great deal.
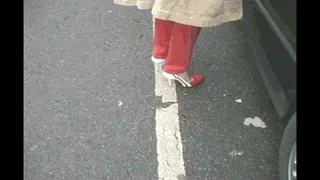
(271, 29)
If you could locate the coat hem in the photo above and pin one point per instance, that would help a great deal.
(139, 5)
(119, 2)
(196, 21)
(145, 5)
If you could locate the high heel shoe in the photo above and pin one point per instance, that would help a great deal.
(158, 63)
(195, 79)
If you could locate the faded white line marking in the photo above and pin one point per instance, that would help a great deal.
(256, 122)
(169, 146)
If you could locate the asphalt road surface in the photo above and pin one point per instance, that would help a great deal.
(90, 103)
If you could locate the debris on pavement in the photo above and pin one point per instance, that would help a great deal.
(236, 153)
(256, 122)
(238, 101)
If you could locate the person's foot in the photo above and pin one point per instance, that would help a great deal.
(185, 79)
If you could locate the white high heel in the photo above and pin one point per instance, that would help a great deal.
(170, 81)
(195, 79)
(158, 63)
(172, 77)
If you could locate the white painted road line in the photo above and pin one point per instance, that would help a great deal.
(169, 146)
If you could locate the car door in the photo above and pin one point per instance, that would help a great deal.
(271, 31)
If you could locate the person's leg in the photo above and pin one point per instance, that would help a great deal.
(162, 36)
(183, 38)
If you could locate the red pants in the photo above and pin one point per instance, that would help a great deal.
(174, 42)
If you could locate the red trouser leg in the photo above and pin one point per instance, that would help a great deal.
(183, 38)
(162, 36)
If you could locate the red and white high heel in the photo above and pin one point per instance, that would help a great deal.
(158, 63)
(195, 79)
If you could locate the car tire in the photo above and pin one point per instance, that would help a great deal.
(287, 149)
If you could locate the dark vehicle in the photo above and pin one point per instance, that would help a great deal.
(270, 26)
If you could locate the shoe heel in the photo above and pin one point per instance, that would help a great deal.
(158, 67)
(170, 77)
(158, 63)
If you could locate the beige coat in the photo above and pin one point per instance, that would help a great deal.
(201, 13)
